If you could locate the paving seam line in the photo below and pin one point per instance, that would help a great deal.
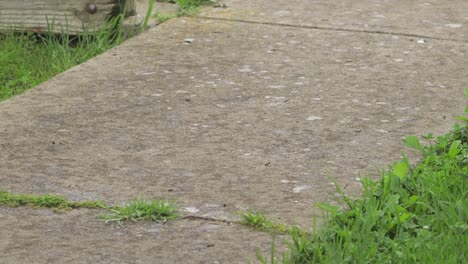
(211, 219)
(333, 29)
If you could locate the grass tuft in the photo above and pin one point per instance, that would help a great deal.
(162, 17)
(189, 7)
(155, 210)
(148, 14)
(47, 200)
(259, 221)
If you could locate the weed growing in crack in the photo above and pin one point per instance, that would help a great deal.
(259, 221)
(155, 210)
(47, 200)
(162, 17)
(189, 7)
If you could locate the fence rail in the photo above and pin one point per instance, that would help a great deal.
(73, 16)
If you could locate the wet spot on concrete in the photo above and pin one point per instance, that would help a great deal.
(281, 132)
(245, 68)
(313, 118)
(209, 228)
(276, 86)
(282, 13)
(300, 188)
(453, 25)
(185, 173)
(144, 73)
(381, 131)
(192, 210)
(213, 205)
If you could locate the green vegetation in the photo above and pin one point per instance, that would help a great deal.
(49, 201)
(155, 210)
(28, 59)
(188, 7)
(162, 17)
(259, 221)
(149, 12)
(413, 214)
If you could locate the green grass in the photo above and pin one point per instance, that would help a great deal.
(27, 59)
(155, 210)
(259, 221)
(49, 201)
(137, 210)
(189, 7)
(148, 14)
(162, 17)
(413, 214)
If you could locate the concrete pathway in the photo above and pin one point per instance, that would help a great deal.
(252, 106)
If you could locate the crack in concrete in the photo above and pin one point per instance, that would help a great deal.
(381, 32)
(211, 219)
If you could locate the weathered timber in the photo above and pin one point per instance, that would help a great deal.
(72, 16)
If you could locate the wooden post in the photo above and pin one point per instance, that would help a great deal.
(71, 16)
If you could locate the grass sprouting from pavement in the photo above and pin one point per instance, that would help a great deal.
(259, 221)
(155, 210)
(189, 7)
(162, 17)
(49, 201)
(137, 210)
(413, 214)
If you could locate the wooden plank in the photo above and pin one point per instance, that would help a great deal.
(71, 16)
(141, 7)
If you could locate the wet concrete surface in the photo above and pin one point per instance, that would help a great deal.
(221, 116)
